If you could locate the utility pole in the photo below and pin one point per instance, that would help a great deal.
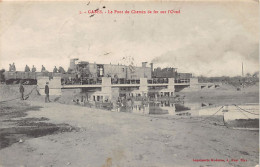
(242, 70)
(243, 83)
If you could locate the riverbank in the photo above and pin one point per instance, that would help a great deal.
(104, 138)
(223, 95)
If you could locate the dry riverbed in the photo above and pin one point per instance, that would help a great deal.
(53, 134)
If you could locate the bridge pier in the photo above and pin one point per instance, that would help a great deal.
(105, 93)
(194, 84)
(169, 91)
(106, 88)
(143, 89)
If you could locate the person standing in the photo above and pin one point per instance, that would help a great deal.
(47, 99)
(21, 89)
(43, 69)
(33, 69)
(61, 70)
(10, 67)
(13, 67)
(27, 68)
(55, 70)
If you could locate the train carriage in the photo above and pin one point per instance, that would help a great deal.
(28, 78)
(84, 72)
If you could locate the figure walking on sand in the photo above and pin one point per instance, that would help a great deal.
(47, 99)
(21, 89)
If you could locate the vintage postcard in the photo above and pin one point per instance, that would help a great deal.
(129, 83)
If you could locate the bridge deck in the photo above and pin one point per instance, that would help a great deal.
(121, 85)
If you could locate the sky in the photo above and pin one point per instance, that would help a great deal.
(206, 38)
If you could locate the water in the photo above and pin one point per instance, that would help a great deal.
(162, 107)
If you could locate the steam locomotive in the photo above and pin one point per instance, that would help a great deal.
(84, 72)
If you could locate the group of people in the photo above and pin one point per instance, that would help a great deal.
(60, 70)
(46, 91)
(27, 69)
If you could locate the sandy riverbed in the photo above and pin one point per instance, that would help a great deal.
(57, 134)
(105, 138)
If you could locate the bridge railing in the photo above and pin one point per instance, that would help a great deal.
(79, 81)
(158, 81)
(98, 81)
(125, 81)
(182, 81)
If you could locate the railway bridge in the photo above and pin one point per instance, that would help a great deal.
(108, 90)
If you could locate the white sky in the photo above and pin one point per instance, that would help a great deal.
(207, 38)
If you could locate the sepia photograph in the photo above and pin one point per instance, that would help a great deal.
(107, 83)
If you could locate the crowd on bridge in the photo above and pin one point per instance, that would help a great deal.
(12, 68)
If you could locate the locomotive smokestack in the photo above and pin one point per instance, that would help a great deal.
(72, 64)
(144, 64)
(151, 68)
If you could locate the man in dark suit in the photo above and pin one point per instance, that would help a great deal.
(47, 99)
